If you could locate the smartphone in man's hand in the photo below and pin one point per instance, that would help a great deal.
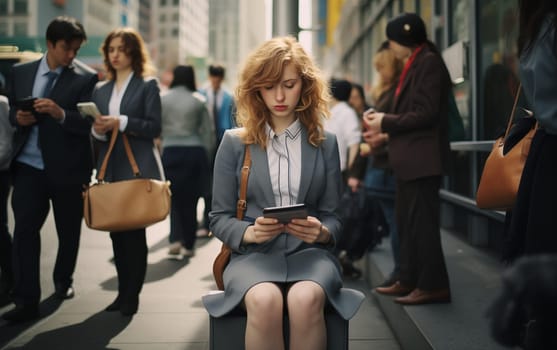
(26, 103)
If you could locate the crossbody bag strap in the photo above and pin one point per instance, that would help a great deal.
(129, 153)
(241, 205)
(511, 117)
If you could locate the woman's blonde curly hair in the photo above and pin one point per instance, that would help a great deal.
(264, 67)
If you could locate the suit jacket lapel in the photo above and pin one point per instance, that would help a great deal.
(28, 78)
(309, 156)
(131, 89)
(407, 81)
(260, 172)
(104, 94)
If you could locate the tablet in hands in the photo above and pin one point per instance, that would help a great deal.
(285, 214)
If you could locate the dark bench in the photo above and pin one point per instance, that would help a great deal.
(228, 332)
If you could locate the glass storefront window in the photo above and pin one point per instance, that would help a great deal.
(498, 63)
(20, 7)
(426, 12)
(460, 10)
(409, 5)
(459, 28)
(394, 8)
(20, 29)
(3, 29)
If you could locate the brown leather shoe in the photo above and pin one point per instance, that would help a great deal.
(395, 289)
(420, 296)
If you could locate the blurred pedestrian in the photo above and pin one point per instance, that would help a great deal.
(375, 172)
(353, 214)
(358, 100)
(282, 100)
(129, 98)
(533, 221)
(51, 162)
(187, 142)
(417, 127)
(6, 136)
(221, 109)
(344, 123)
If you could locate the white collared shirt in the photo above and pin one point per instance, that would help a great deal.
(284, 152)
(345, 125)
(114, 108)
(116, 101)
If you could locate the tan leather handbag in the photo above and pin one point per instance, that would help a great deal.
(223, 257)
(128, 204)
(501, 173)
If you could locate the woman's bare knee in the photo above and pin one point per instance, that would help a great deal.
(264, 302)
(264, 306)
(305, 297)
(306, 303)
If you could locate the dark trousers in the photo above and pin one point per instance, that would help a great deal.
(208, 193)
(417, 205)
(31, 198)
(6, 273)
(533, 219)
(187, 168)
(130, 258)
(388, 207)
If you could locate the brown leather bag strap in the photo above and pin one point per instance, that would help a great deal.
(511, 117)
(242, 204)
(131, 158)
(102, 170)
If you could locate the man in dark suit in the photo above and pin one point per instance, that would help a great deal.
(51, 162)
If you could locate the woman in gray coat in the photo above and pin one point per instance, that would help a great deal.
(132, 101)
(281, 99)
(187, 140)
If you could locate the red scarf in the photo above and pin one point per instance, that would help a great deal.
(406, 68)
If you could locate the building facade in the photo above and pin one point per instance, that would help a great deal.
(23, 23)
(180, 32)
(235, 28)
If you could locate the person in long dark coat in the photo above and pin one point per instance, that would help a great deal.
(418, 153)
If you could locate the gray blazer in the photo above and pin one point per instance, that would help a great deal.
(186, 120)
(285, 258)
(142, 104)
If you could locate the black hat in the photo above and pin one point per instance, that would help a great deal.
(407, 29)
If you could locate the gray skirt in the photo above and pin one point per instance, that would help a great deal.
(309, 264)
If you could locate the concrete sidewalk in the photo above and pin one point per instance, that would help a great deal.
(171, 315)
